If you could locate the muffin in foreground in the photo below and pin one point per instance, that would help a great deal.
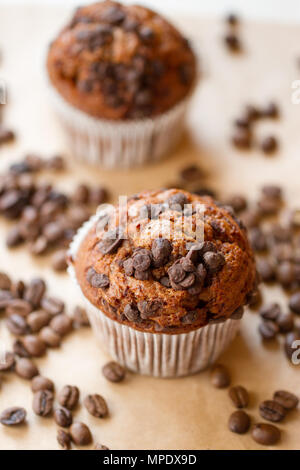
(120, 77)
(165, 278)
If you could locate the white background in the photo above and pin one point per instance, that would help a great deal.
(278, 10)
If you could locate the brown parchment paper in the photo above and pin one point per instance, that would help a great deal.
(148, 413)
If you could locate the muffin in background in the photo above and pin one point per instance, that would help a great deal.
(162, 302)
(121, 77)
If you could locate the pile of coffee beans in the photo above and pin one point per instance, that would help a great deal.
(38, 321)
(231, 38)
(274, 410)
(46, 218)
(243, 136)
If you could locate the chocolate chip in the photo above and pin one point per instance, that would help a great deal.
(113, 372)
(269, 144)
(148, 308)
(177, 201)
(68, 397)
(232, 42)
(63, 417)
(80, 434)
(266, 434)
(288, 400)
(239, 396)
(131, 312)
(242, 138)
(13, 416)
(220, 377)
(128, 267)
(96, 405)
(110, 243)
(97, 280)
(146, 34)
(113, 15)
(176, 273)
(272, 411)
(165, 281)
(43, 402)
(214, 262)
(190, 318)
(188, 281)
(239, 422)
(161, 250)
(141, 260)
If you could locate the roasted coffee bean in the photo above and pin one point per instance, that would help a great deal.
(242, 138)
(272, 411)
(214, 262)
(220, 377)
(37, 320)
(5, 299)
(13, 416)
(81, 194)
(237, 314)
(190, 318)
(268, 206)
(34, 345)
(25, 368)
(41, 383)
(42, 403)
(69, 396)
(191, 173)
(64, 439)
(131, 312)
(59, 261)
(285, 273)
(17, 289)
(272, 191)
(14, 237)
(268, 329)
(266, 434)
(239, 422)
(96, 405)
(285, 322)
(49, 337)
(63, 417)
(288, 400)
(99, 446)
(6, 135)
(113, 372)
(258, 239)
(294, 303)
(237, 202)
(232, 19)
(7, 361)
(39, 246)
(232, 42)
(251, 218)
(266, 270)
(61, 324)
(290, 346)
(80, 434)
(17, 325)
(270, 312)
(239, 396)
(52, 305)
(282, 252)
(35, 292)
(53, 231)
(19, 307)
(5, 281)
(80, 317)
(269, 144)
(19, 349)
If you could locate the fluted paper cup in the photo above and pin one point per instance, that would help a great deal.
(156, 354)
(114, 144)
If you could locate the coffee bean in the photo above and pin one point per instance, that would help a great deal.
(17, 289)
(17, 325)
(269, 144)
(270, 111)
(239, 422)
(242, 139)
(59, 261)
(14, 237)
(258, 239)
(237, 314)
(37, 320)
(237, 202)
(285, 322)
(43, 402)
(34, 345)
(25, 368)
(294, 303)
(61, 324)
(96, 405)
(19, 349)
(99, 446)
(13, 416)
(290, 346)
(41, 383)
(5, 281)
(80, 317)
(80, 434)
(69, 396)
(19, 307)
(39, 246)
(7, 361)
(272, 191)
(49, 337)
(6, 135)
(52, 305)
(266, 270)
(232, 42)
(268, 329)
(266, 434)
(113, 372)
(81, 194)
(64, 439)
(272, 411)
(5, 299)
(239, 396)
(285, 273)
(63, 417)
(268, 206)
(270, 312)
(191, 173)
(220, 377)
(35, 292)
(288, 400)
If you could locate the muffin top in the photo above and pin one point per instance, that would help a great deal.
(166, 261)
(121, 62)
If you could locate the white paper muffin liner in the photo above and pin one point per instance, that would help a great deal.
(156, 354)
(111, 144)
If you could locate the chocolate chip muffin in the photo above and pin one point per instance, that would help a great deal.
(170, 267)
(115, 64)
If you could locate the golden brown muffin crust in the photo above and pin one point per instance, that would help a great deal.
(121, 62)
(158, 283)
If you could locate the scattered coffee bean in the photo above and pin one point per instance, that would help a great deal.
(239, 396)
(49, 337)
(17, 325)
(13, 416)
(232, 19)
(113, 372)
(69, 396)
(99, 446)
(272, 411)
(290, 344)
(19, 307)
(64, 439)
(39, 383)
(7, 361)
(80, 434)
(288, 400)
(294, 303)
(242, 139)
(59, 261)
(285, 322)
(6, 135)
(35, 291)
(268, 329)
(96, 405)
(34, 345)
(52, 305)
(266, 270)
(80, 317)
(232, 42)
(239, 422)
(63, 417)
(270, 311)
(61, 324)
(25, 368)
(43, 402)
(269, 144)
(220, 377)
(266, 434)
(37, 320)
(5, 281)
